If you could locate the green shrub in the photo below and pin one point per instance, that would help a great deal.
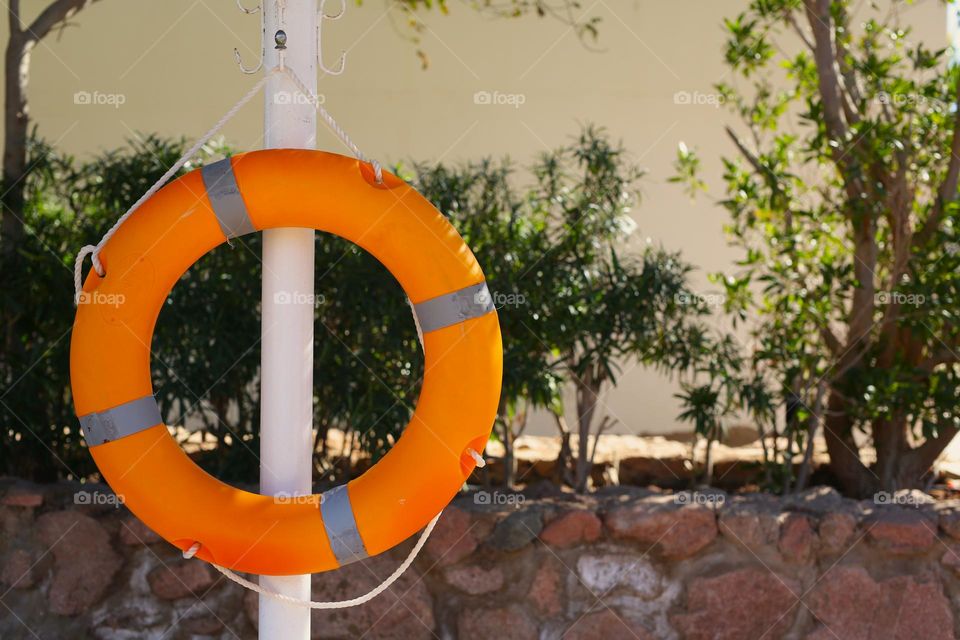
(572, 294)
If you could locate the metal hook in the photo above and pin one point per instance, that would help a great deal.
(339, 14)
(321, 16)
(236, 52)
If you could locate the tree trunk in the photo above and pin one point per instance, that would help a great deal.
(14, 165)
(587, 393)
(898, 466)
(16, 122)
(917, 463)
(507, 437)
(803, 476)
(509, 458)
(707, 478)
(890, 441)
(561, 468)
(854, 478)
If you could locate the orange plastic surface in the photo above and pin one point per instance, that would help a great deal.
(110, 362)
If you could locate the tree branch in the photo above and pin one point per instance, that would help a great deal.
(13, 10)
(922, 457)
(828, 83)
(745, 152)
(792, 21)
(948, 188)
(850, 89)
(769, 176)
(946, 355)
(754, 161)
(818, 15)
(55, 13)
(831, 340)
(899, 205)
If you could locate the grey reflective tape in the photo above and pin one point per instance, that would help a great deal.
(341, 526)
(120, 421)
(454, 307)
(226, 199)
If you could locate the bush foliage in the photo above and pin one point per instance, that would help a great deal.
(578, 295)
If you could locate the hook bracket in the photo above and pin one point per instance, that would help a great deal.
(323, 16)
(236, 52)
(280, 38)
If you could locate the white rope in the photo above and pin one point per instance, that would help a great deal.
(416, 322)
(94, 250)
(340, 604)
(334, 126)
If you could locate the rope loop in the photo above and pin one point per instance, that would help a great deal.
(337, 604)
(87, 250)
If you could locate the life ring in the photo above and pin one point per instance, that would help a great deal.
(122, 424)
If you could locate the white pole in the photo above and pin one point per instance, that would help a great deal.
(286, 385)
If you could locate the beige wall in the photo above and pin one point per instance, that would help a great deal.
(172, 62)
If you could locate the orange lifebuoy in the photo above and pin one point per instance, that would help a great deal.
(122, 424)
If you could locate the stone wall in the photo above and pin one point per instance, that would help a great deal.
(619, 564)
